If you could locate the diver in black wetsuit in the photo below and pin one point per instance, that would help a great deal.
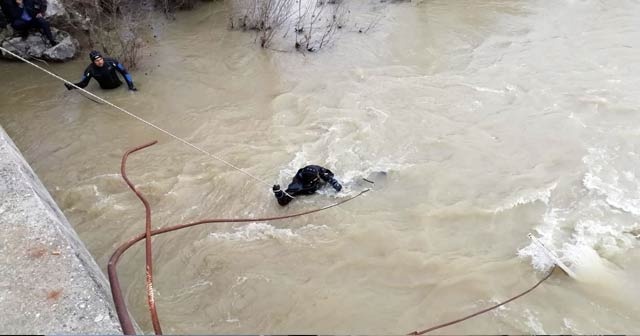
(104, 71)
(306, 182)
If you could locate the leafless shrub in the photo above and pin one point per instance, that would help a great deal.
(273, 14)
(318, 23)
(170, 6)
(114, 26)
(371, 25)
(266, 17)
(315, 22)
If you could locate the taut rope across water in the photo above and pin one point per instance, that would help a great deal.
(184, 141)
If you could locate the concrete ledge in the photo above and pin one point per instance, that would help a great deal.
(49, 283)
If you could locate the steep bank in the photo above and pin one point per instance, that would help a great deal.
(50, 282)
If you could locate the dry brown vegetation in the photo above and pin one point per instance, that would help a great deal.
(313, 23)
(113, 26)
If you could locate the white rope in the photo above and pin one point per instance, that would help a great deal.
(139, 119)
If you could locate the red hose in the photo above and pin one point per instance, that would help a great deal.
(119, 301)
(121, 307)
(439, 326)
(148, 252)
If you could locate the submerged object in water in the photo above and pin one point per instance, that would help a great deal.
(377, 178)
(553, 256)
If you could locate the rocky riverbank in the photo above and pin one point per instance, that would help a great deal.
(35, 45)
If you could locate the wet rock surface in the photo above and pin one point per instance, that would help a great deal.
(37, 46)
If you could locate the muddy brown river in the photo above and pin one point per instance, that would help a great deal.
(491, 119)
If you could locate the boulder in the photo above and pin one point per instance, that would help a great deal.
(55, 9)
(66, 17)
(5, 32)
(57, 13)
(78, 20)
(33, 46)
(64, 51)
(36, 46)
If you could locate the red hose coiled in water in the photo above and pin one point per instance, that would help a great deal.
(119, 301)
(148, 252)
(121, 307)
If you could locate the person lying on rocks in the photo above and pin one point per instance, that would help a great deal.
(24, 15)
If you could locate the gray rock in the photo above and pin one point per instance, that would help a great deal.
(65, 17)
(78, 20)
(56, 13)
(55, 8)
(5, 32)
(37, 47)
(33, 46)
(64, 51)
(15, 45)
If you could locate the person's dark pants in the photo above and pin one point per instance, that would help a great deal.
(39, 23)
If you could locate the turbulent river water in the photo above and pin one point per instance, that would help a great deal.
(491, 119)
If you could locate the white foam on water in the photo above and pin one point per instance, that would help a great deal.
(585, 250)
(528, 197)
(253, 232)
(533, 322)
(263, 231)
(590, 230)
(588, 265)
(349, 179)
(571, 325)
(609, 238)
(539, 259)
(615, 196)
(329, 153)
(620, 189)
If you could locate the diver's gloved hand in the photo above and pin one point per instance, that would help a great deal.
(277, 191)
(326, 175)
(335, 184)
(68, 86)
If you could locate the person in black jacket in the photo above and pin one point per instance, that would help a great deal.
(104, 70)
(24, 15)
(4, 18)
(306, 181)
